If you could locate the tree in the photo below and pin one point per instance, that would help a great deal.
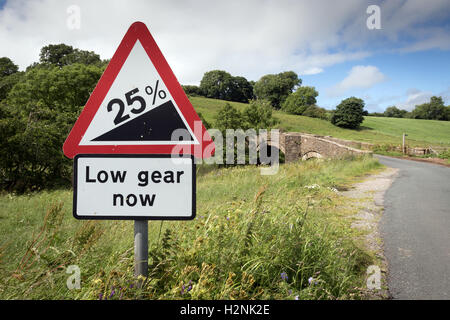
(219, 84)
(7, 67)
(316, 112)
(36, 118)
(81, 56)
(9, 76)
(241, 90)
(394, 112)
(63, 55)
(8, 82)
(192, 90)
(54, 53)
(433, 110)
(349, 113)
(276, 87)
(300, 100)
(229, 118)
(215, 83)
(258, 115)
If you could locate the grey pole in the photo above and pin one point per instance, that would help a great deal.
(404, 145)
(141, 248)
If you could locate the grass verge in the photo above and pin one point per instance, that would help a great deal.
(254, 237)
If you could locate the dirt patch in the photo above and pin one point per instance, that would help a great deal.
(367, 198)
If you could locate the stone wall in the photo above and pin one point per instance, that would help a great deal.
(297, 145)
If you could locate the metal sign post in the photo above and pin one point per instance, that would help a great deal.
(140, 249)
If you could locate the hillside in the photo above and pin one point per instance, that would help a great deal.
(375, 130)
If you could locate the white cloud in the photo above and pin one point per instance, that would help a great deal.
(249, 38)
(414, 97)
(359, 77)
(311, 71)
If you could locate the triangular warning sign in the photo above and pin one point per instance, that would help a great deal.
(138, 106)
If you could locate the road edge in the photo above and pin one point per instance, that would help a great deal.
(366, 200)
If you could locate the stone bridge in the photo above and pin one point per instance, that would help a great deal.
(297, 145)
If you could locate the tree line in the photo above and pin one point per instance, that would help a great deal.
(432, 110)
(284, 91)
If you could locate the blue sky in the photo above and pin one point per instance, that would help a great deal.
(426, 72)
(328, 43)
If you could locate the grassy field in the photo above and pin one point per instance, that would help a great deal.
(254, 237)
(376, 130)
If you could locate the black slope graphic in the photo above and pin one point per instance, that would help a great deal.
(154, 125)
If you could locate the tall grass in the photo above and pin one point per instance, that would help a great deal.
(284, 236)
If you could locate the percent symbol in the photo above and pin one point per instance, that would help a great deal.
(161, 93)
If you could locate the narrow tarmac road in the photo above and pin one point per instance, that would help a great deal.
(416, 230)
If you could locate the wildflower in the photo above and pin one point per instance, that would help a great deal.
(290, 292)
(284, 276)
(333, 189)
(112, 293)
(296, 298)
(182, 289)
(100, 296)
(313, 281)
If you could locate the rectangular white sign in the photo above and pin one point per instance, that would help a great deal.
(134, 187)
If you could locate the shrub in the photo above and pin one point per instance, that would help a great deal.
(316, 112)
(349, 113)
(36, 118)
(192, 90)
(276, 87)
(258, 115)
(300, 100)
(220, 84)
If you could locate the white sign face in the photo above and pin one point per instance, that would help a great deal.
(134, 187)
(138, 108)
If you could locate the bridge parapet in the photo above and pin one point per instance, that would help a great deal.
(298, 145)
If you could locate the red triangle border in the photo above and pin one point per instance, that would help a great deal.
(137, 30)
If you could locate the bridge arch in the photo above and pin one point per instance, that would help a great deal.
(311, 154)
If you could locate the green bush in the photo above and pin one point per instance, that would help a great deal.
(445, 154)
(276, 87)
(36, 118)
(349, 113)
(300, 100)
(257, 115)
(316, 112)
(219, 84)
(193, 91)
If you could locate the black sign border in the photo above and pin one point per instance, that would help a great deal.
(103, 217)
